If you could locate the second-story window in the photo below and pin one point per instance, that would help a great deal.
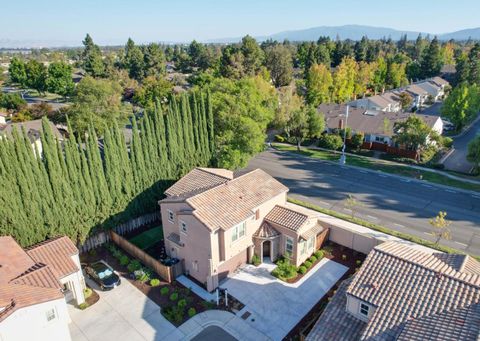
(171, 216)
(238, 231)
(183, 227)
(364, 309)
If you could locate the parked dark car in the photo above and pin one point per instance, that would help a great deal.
(103, 275)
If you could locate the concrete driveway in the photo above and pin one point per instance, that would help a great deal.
(122, 314)
(457, 161)
(275, 306)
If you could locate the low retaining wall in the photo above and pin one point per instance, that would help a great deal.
(103, 237)
(167, 273)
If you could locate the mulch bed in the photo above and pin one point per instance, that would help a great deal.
(350, 261)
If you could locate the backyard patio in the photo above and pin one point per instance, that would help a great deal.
(275, 307)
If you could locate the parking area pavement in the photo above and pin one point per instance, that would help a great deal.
(275, 307)
(122, 314)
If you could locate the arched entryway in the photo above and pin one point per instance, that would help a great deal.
(267, 250)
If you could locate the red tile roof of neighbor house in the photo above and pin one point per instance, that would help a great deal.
(31, 277)
(416, 295)
(233, 201)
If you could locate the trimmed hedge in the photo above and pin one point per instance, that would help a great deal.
(302, 269)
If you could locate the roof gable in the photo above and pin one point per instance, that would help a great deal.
(198, 180)
(286, 217)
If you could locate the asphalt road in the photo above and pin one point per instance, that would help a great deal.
(457, 161)
(398, 203)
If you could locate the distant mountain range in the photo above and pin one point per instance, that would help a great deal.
(356, 32)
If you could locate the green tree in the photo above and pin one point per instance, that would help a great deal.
(36, 76)
(344, 80)
(357, 140)
(59, 79)
(153, 89)
(474, 65)
(278, 60)
(305, 123)
(405, 100)
(473, 154)
(154, 60)
(288, 103)
(414, 133)
(432, 62)
(97, 102)
(319, 85)
(17, 72)
(92, 58)
(458, 105)
(133, 60)
(252, 55)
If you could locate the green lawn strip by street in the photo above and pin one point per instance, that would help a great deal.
(148, 238)
(383, 166)
(377, 227)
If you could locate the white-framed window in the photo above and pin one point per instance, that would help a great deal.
(303, 247)
(364, 308)
(171, 216)
(289, 245)
(183, 227)
(310, 243)
(238, 231)
(50, 314)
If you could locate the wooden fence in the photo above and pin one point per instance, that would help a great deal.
(103, 237)
(167, 273)
(322, 237)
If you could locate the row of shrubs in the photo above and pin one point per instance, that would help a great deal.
(176, 311)
(317, 255)
(286, 271)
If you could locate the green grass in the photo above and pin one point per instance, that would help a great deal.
(148, 238)
(377, 227)
(382, 166)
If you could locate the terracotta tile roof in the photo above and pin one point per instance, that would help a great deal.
(286, 217)
(439, 81)
(32, 128)
(312, 231)
(197, 181)
(266, 231)
(57, 254)
(234, 201)
(24, 281)
(404, 283)
(335, 323)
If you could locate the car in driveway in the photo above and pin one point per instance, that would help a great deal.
(103, 274)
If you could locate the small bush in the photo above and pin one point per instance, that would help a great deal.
(182, 303)
(164, 291)
(279, 138)
(87, 292)
(83, 306)
(173, 314)
(117, 254)
(328, 249)
(256, 260)
(344, 257)
(333, 142)
(174, 296)
(307, 264)
(313, 259)
(155, 282)
(319, 254)
(134, 265)
(124, 260)
(284, 270)
(191, 312)
(358, 262)
(447, 142)
(302, 269)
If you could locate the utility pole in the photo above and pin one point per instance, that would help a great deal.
(343, 157)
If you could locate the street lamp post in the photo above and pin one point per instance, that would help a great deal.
(343, 157)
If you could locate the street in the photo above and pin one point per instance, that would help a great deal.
(400, 204)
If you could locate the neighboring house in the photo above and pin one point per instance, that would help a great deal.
(216, 222)
(376, 125)
(33, 130)
(441, 82)
(418, 94)
(35, 285)
(401, 293)
(435, 92)
(387, 102)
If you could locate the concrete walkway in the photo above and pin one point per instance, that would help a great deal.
(187, 282)
(275, 307)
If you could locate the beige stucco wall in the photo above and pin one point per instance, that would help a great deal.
(30, 323)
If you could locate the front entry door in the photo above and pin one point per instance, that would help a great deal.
(266, 248)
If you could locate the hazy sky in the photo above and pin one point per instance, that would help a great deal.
(113, 21)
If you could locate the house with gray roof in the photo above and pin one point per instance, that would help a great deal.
(215, 221)
(388, 102)
(402, 293)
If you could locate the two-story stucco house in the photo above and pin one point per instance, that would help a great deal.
(387, 102)
(35, 285)
(405, 294)
(216, 221)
